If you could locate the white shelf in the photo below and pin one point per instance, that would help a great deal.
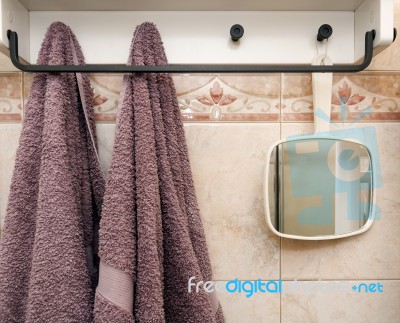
(275, 31)
(191, 5)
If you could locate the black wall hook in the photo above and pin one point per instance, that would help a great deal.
(324, 32)
(237, 32)
(199, 68)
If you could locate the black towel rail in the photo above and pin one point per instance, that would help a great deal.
(187, 69)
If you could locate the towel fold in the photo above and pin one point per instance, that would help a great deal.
(151, 236)
(47, 253)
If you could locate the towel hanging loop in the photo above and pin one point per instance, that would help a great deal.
(322, 94)
(187, 69)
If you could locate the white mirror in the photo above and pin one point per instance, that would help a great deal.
(319, 188)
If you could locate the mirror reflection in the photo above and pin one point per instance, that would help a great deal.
(319, 187)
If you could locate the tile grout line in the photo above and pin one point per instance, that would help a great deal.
(23, 95)
(317, 280)
(280, 238)
(340, 280)
(280, 276)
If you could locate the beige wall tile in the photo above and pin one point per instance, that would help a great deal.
(371, 255)
(228, 165)
(336, 301)
(9, 139)
(105, 142)
(10, 97)
(258, 308)
(294, 129)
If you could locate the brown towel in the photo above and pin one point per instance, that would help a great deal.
(151, 236)
(47, 271)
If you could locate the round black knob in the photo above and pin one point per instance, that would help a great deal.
(324, 32)
(237, 32)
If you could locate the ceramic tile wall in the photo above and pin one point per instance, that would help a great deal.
(230, 121)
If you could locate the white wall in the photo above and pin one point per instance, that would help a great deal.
(203, 37)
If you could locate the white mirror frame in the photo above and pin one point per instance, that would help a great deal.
(367, 225)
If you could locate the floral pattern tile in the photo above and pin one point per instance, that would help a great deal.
(231, 98)
(10, 97)
(364, 97)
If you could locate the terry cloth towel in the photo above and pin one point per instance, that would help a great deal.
(151, 236)
(47, 271)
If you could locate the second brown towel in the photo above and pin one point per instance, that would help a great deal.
(151, 236)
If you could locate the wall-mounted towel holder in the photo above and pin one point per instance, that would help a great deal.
(280, 33)
(181, 68)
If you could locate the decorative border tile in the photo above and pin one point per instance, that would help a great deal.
(203, 98)
(296, 97)
(363, 97)
(231, 98)
(27, 84)
(106, 90)
(10, 97)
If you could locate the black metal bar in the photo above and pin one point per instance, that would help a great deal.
(200, 68)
